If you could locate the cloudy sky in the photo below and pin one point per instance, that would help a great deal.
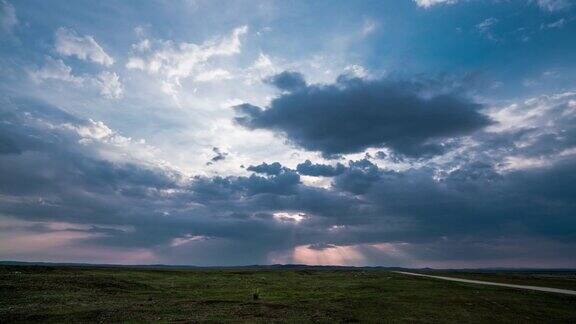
(413, 133)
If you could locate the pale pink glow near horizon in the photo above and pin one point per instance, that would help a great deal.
(64, 242)
(23, 242)
(336, 255)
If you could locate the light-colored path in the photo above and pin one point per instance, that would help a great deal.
(546, 289)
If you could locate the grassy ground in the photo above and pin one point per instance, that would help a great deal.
(50, 294)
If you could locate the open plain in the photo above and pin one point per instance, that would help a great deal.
(308, 294)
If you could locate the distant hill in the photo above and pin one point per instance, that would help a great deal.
(276, 266)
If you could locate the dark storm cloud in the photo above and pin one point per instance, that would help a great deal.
(354, 114)
(282, 183)
(218, 188)
(287, 81)
(265, 168)
(219, 156)
(319, 170)
(52, 181)
(321, 246)
(358, 177)
(476, 200)
(8, 145)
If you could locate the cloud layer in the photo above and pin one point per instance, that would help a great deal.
(61, 171)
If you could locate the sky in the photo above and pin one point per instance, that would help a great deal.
(413, 133)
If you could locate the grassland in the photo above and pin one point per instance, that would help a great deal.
(65, 294)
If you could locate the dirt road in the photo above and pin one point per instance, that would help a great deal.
(546, 289)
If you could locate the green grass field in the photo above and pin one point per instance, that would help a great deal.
(60, 294)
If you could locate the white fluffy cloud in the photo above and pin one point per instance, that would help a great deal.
(212, 75)
(110, 85)
(369, 27)
(553, 5)
(486, 24)
(99, 140)
(430, 3)
(174, 62)
(549, 5)
(69, 43)
(107, 82)
(55, 70)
